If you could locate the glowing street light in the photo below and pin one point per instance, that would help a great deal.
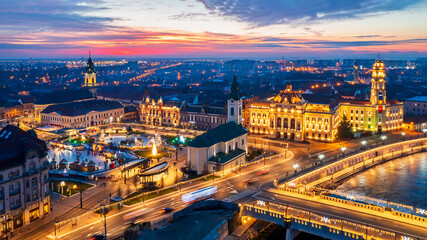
(321, 156)
(62, 187)
(343, 149)
(295, 166)
(364, 142)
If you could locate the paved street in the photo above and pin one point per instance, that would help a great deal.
(251, 177)
(335, 212)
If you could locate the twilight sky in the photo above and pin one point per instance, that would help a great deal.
(213, 28)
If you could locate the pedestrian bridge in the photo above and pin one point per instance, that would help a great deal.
(330, 221)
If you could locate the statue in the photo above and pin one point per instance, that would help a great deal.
(101, 138)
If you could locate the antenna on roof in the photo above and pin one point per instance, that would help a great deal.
(378, 56)
(89, 53)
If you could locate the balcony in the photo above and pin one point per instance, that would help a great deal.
(12, 193)
(13, 207)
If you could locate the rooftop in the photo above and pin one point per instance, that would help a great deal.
(64, 96)
(222, 133)
(225, 157)
(82, 107)
(15, 143)
(417, 99)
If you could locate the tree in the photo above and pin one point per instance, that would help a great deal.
(344, 129)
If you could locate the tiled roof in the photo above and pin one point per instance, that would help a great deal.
(225, 157)
(318, 98)
(222, 133)
(64, 96)
(82, 107)
(15, 143)
(417, 99)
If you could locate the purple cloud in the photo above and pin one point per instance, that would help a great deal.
(263, 13)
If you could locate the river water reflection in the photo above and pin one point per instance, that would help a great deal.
(402, 181)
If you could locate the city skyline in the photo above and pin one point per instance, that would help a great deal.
(213, 29)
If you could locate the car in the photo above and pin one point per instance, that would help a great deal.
(248, 182)
(262, 172)
(166, 210)
(98, 237)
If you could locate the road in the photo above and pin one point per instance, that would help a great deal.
(333, 212)
(230, 185)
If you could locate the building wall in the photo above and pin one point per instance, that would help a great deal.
(201, 121)
(198, 157)
(11, 112)
(318, 121)
(369, 118)
(93, 118)
(38, 108)
(414, 108)
(24, 192)
(159, 114)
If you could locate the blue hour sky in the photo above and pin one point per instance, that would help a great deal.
(213, 28)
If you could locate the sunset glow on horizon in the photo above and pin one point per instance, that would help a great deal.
(213, 28)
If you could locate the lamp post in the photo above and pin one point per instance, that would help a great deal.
(364, 143)
(80, 191)
(62, 187)
(295, 167)
(424, 131)
(321, 157)
(383, 137)
(403, 135)
(343, 150)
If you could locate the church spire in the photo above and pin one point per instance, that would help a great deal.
(235, 90)
(90, 75)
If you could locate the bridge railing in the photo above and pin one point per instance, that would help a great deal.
(354, 203)
(332, 228)
(322, 163)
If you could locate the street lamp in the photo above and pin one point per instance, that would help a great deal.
(62, 187)
(80, 191)
(343, 150)
(321, 157)
(295, 167)
(424, 131)
(403, 135)
(383, 137)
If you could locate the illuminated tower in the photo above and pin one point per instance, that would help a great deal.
(378, 93)
(90, 76)
(235, 104)
(356, 73)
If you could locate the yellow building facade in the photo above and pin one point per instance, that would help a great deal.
(158, 113)
(296, 116)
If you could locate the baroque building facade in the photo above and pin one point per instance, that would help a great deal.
(157, 113)
(296, 116)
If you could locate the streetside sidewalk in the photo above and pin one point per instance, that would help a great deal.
(60, 205)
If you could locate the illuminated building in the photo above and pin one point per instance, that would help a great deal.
(82, 114)
(235, 104)
(159, 113)
(90, 76)
(24, 178)
(378, 114)
(295, 116)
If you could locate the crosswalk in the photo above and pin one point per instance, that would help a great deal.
(240, 195)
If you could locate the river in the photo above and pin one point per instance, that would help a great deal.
(402, 181)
